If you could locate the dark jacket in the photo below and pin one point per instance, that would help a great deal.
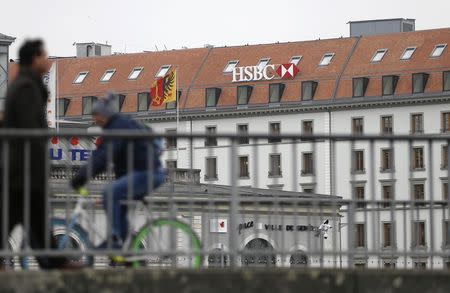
(25, 106)
(141, 150)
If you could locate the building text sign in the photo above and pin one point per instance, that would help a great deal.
(268, 72)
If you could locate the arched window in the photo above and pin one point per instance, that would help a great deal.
(298, 259)
(263, 255)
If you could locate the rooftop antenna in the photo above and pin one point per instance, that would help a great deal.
(156, 48)
(165, 47)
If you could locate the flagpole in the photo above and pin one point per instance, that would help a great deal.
(176, 104)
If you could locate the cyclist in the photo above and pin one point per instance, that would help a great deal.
(104, 115)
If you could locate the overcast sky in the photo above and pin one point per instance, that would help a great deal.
(137, 25)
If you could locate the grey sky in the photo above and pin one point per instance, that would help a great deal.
(137, 25)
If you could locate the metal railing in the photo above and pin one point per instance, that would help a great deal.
(290, 220)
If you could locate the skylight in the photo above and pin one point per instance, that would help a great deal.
(326, 59)
(438, 50)
(295, 60)
(263, 63)
(407, 54)
(162, 71)
(230, 66)
(108, 74)
(80, 77)
(135, 72)
(379, 54)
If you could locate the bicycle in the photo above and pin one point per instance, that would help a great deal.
(145, 246)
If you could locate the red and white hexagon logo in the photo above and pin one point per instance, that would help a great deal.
(286, 71)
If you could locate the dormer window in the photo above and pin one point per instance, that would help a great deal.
(419, 82)
(212, 96)
(135, 73)
(162, 71)
(243, 94)
(438, 50)
(107, 75)
(80, 77)
(230, 66)
(360, 86)
(379, 54)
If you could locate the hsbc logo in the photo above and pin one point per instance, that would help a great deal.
(269, 72)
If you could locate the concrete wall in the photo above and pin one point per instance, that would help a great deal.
(211, 281)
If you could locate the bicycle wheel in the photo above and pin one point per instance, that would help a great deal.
(155, 238)
(77, 240)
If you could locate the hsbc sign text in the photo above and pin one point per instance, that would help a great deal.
(269, 72)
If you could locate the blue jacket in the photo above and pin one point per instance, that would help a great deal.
(141, 149)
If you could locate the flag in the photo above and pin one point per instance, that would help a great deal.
(170, 87)
(157, 92)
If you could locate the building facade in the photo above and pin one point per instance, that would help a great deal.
(395, 83)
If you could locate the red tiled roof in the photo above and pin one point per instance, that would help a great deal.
(202, 68)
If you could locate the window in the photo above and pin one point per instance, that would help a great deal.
(171, 142)
(417, 162)
(118, 102)
(162, 71)
(446, 81)
(275, 165)
(418, 192)
(63, 104)
(274, 130)
(416, 123)
(407, 54)
(87, 105)
(418, 234)
(242, 129)
(389, 84)
(419, 82)
(107, 75)
(263, 63)
(446, 234)
(359, 195)
(307, 128)
(243, 94)
(212, 96)
(444, 157)
(438, 50)
(379, 54)
(173, 105)
(230, 66)
(243, 167)
(387, 195)
(276, 92)
(295, 60)
(308, 164)
(357, 126)
(211, 169)
(171, 164)
(386, 160)
(360, 240)
(143, 101)
(80, 77)
(135, 73)
(358, 161)
(360, 86)
(326, 59)
(210, 141)
(444, 190)
(386, 125)
(445, 121)
(308, 90)
(388, 231)
(420, 265)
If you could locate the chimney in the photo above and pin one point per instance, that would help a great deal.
(92, 49)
